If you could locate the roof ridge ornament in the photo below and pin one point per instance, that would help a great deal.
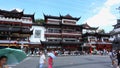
(16, 10)
(68, 15)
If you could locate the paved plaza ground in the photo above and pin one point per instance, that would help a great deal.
(70, 62)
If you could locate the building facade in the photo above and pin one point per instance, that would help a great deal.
(15, 28)
(93, 40)
(37, 36)
(115, 35)
(57, 33)
(62, 33)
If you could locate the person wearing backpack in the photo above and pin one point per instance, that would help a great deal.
(112, 55)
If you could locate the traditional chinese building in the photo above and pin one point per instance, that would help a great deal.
(37, 36)
(95, 40)
(15, 28)
(115, 35)
(62, 33)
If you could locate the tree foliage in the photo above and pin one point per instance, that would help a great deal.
(39, 21)
(101, 31)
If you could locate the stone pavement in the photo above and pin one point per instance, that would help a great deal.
(70, 62)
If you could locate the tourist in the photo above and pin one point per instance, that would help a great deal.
(42, 59)
(50, 62)
(104, 52)
(51, 56)
(112, 55)
(118, 58)
(3, 60)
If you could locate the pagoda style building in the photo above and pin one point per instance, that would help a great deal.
(15, 28)
(115, 35)
(94, 40)
(62, 33)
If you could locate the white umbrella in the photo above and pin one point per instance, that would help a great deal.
(51, 55)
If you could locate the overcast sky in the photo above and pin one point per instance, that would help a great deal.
(97, 13)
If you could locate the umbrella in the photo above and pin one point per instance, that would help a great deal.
(51, 55)
(15, 56)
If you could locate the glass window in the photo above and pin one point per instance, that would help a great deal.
(53, 30)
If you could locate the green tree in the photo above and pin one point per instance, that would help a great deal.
(101, 31)
(39, 21)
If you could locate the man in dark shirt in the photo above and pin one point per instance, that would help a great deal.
(118, 57)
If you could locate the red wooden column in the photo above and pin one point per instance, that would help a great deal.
(91, 50)
(96, 46)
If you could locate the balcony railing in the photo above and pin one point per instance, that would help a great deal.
(54, 23)
(64, 34)
(12, 41)
(8, 29)
(76, 32)
(64, 40)
(99, 42)
(12, 29)
(117, 30)
(15, 20)
(52, 32)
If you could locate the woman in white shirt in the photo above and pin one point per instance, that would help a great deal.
(42, 59)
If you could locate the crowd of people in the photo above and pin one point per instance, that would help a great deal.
(73, 52)
(115, 58)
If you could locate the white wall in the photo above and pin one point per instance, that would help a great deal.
(37, 39)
